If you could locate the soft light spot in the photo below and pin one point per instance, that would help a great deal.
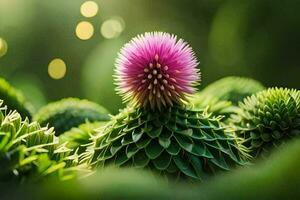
(89, 9)
(112, 28)
(84, 30)
(57, 68)
(3, 47)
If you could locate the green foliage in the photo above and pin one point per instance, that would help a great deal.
(222, 96)
(274, 179)
(109, 183)
(14, 99)
(233, 89)
(176, 142)
(78, 138)
(70, 112)
(269, 118)
(28, 151)
(213, 105)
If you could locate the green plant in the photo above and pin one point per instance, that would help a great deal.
(269, 118)
(176, 142)
(158, 131)
(232, 89)
(28, 151)
(213, 105)
(79, 137)
(274, 179)
(70, 112)
(14, 99)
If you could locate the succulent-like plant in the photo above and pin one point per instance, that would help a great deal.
(157, 131)
(232, 89)
(70, 112)
(268, 119)
(28, 151)
(14, 99)
(78, 138)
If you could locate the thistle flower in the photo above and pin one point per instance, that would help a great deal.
(269, 118)
(156, 70)
(178, 142)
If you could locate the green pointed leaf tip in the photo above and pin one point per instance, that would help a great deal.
(70, 112)
(190, 145)
(269, 118)
(28, 151)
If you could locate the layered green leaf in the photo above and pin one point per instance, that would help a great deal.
(268, 119)
(176, 142)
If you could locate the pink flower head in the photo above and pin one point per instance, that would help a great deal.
(156, 70)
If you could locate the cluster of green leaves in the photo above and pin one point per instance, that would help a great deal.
(180, 142)
(14, 99)
(177, 143)
(28, 151)
(70, 112)
(268, 119)
(274, 179)
(79, 138)
(31, 151)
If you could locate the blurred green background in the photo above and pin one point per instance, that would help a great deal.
(257, 38)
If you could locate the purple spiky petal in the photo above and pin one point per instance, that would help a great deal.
(156, 70)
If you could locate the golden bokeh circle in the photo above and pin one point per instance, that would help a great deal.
(112, 28)
(89, 9)
(84, 30)
(57, 68)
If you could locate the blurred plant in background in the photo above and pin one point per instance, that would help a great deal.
(231, 37)
(70, 112)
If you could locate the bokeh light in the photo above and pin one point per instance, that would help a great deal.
(3, 47)
(89, 9)
(57, 68)
(112, 28)
(84, 30)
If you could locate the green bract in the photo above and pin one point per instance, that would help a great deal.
(28, 151)
(269, 118)
(176, 142)
(13, 99)
(233, 89)
(70, 112)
